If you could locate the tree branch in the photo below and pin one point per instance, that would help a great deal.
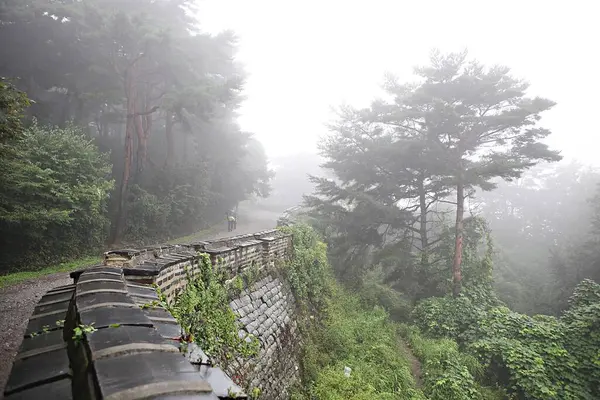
(154, 109)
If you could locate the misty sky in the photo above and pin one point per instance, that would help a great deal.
(303, 57)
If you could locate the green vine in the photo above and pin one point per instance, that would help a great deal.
(251, 274)
(539, 357)
(255, 393)
(81, 331)
(308, 271)
(202, 310)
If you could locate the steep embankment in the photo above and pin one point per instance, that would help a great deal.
(351, 350)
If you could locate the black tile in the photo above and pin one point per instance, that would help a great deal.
(52, 308)
(41, 343)
(148, 292)
(117, 336)
(106, 316)
(207, 396)
(37, 370)
(168, 330)
(57, 390)
(96, 268)
(122, 253)
(63, 288)
(99, 275)
(97, 299)
(116, 374)
(160, 313)
(102, 269)
(48, 322)
(100, 286)
(145, 269)
(55, 298)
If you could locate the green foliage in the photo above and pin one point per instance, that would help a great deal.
(153, 90)
(237, 285)
(448, 373)
(343, 334)
(251, 274)
(147, 216)
(373, 292)
(459, 127)
(17, 277)
(454, 317)
(308, 271)
(203, 312)
(364, 340)
(13, 103)
(538, 357)
(53, 197)
(81, 331)
(529, 219)
(255, 393)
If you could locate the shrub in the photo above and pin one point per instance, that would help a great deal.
(539, 357)
(448, 373)
(344, 333)
(54, 194)
(202, 310)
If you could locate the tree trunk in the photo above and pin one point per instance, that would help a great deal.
(423, 270)
(458, 246)
(121, 216)
(143, 124)
(79, 118)
(142, 146)
(170, 139)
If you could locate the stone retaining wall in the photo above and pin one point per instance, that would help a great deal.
(266, 310)
(135, 352)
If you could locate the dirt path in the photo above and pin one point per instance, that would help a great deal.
(17, 301)
(415, 364)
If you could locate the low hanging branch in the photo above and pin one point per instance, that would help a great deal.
(140, 114)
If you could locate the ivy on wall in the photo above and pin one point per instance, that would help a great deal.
(202, 310)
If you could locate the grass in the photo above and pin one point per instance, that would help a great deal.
(17, 277)
(197, 235)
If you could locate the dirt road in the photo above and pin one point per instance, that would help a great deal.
(17, 301)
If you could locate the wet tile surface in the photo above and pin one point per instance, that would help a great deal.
(38, 370)
(111, 337)
(142, 369)
(94, 299)
(104, 317)
(91, 287)
(58, 390)
(42, 341)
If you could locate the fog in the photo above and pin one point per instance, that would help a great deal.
(431, 168)
(304, 58)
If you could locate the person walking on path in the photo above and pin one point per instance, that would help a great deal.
(230, 221)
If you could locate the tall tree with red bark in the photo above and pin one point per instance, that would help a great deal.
(479, 123)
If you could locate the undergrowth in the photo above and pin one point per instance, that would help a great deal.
(539, 357)
(202, 310)
(448, 373)
(339, 333)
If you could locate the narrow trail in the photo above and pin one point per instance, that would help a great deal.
(415, 364)
(17, 301)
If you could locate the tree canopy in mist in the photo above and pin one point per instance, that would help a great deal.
(139, 81)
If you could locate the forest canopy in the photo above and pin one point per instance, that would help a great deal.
(139, 104)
